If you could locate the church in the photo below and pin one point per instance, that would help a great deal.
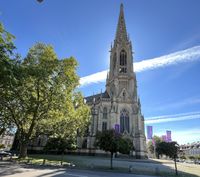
(119, 106)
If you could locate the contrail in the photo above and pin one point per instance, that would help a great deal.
(172, 118)
(187, 55)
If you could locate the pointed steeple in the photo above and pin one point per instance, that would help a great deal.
(121, 34)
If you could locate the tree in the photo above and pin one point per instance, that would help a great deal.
(156, 140)
(111, 141)
(125, 145)
(76, 118)
(150, 147)
(6, 66)
(169, 149)
(60, 145)
(40, 90)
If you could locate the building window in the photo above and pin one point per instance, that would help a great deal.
(124, 121)
(105, 113)
(123, 62)
(104, 126)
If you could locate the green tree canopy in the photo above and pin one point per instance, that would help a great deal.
(169, 149)
(41, 92)
(59, 144)
(150, 147)
(111, 141)
(6, 66)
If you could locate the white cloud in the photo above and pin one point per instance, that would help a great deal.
(170, 59)
(187, 55)
(172, 118)
(94, 78)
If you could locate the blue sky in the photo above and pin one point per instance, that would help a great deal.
(85, 30)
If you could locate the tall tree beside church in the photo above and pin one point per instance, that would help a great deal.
(43, 89)
(65, 123)
(6, 67)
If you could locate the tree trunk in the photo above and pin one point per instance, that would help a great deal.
(23, 150)
(62, 156)
(111, 160)
(15, 145)
(175, 166)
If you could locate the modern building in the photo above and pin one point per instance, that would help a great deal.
(119, 106)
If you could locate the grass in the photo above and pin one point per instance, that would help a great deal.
(43, 161)
(163, 168)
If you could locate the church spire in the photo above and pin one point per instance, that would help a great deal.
(121, 33)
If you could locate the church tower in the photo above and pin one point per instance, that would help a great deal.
(121, 78)
(119, 106)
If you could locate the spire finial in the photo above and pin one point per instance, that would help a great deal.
(121, 33)
(121, 6)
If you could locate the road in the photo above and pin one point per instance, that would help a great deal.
(15, 170)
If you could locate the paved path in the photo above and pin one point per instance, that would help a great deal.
(14, 170)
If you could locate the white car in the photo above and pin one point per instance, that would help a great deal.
(5, 154)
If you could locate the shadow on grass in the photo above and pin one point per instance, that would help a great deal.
(134, 166)
(122, 167)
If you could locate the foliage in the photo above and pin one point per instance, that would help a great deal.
(150, 147)
(6, 66)
(183, 157)
(111, 141)
(41, 92)
(198, 157)
(191, 157)
(108, 140)
(67, 122)
(6, 46)
(2, 146)
(59, 144)
(169, 149)
(125, 145)
(155, 142)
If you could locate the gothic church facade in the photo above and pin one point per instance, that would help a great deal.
(119, 106)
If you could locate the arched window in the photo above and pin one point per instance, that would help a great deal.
(105, 113)
(124, 121)
(104, 126)
(123, 62)
(123, 58)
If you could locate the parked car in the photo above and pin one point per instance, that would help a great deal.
(5, 154)
(197, 162)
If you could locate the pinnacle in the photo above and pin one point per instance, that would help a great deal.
(121, 33)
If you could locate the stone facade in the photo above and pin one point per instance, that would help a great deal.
(119, 106)
(7, 140)
(192, 149)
